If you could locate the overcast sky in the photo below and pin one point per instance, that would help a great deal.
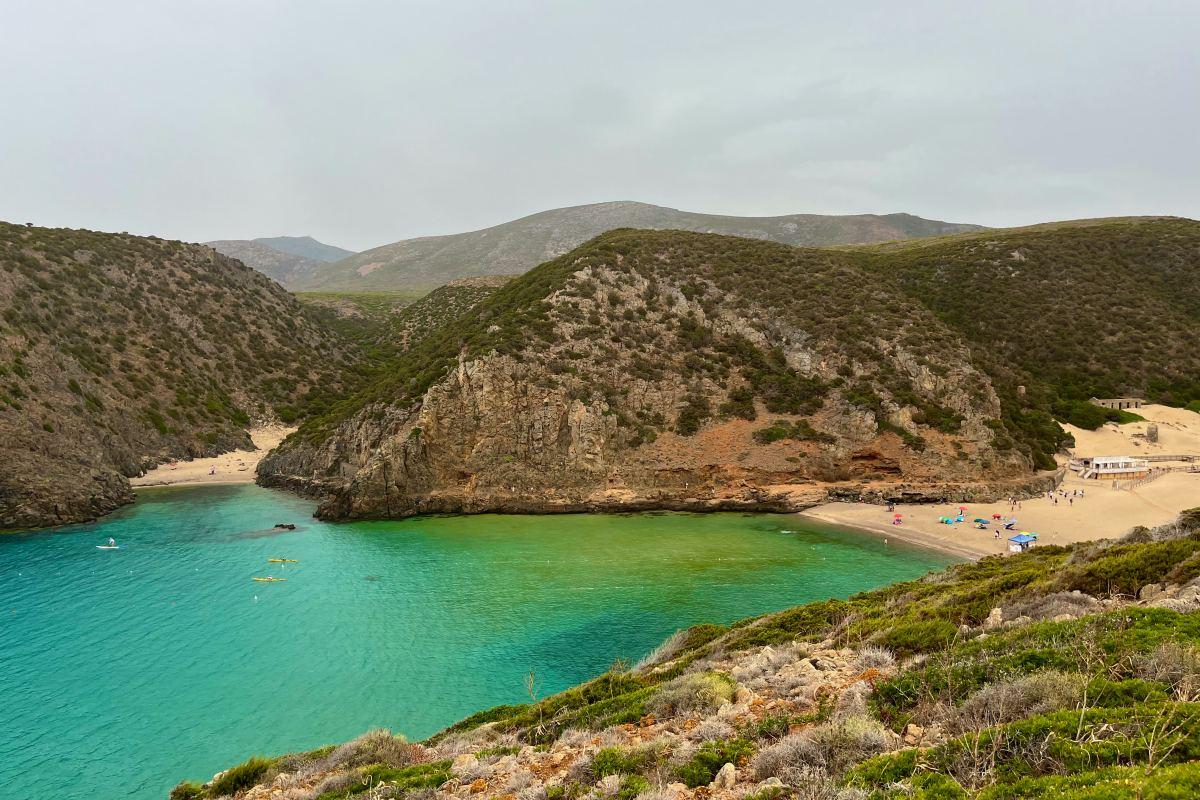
(361, 123)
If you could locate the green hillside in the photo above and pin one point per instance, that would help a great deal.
(1012, 328)
(1099, 308)
(118, 352)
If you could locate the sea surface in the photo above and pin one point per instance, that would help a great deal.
(125, 671)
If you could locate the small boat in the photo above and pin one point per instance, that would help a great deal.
(269, 579)
(282, 561)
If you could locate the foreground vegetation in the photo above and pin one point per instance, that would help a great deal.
(1061, 672)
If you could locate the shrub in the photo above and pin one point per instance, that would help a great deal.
(617, 761)
(692, 415)
(871, 657)
(1126, 568)
(632, 786)
(740, 404)
(374, 747)
(832, 747)
(1052, 605)
(919, 637)
(243, 776)
(1006, 701)
(704, 764)
(187, 790)
(702, 692)
(782, 429)
(1174, 664)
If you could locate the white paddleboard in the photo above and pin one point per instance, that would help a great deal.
(108, 547)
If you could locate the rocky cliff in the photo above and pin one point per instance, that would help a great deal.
(662, 369)
(119, 352)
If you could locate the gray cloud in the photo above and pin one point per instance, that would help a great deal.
(364, 122)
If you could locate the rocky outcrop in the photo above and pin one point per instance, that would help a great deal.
(655, 384)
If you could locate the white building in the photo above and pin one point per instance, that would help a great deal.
(1113, 467)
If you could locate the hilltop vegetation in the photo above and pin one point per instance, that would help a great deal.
(118, 352)
(519, 245)
(1061, 672)
(439, 308)
(362, 317)
(1104, 308)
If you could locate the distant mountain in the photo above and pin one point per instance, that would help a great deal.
(120, 352)
(306, 247)
(289, 260)
(517, 246)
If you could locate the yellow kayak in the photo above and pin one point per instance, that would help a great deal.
(282, 561)
(269, 580)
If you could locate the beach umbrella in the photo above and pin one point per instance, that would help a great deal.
(984, 521)
(897, 515)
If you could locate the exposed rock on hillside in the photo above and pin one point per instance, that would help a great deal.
(661, 369)
(514, 247)
(119, 352)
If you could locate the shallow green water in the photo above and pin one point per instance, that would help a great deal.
(125, 671)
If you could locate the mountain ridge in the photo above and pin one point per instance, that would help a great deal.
(518, 245)
(288, 260)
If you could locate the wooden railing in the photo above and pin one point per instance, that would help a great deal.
(1155, 474)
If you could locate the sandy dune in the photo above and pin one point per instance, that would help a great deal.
(1101, 513)
(234, 467)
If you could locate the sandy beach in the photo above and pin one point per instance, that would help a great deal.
(236, 466)
(1101, 512)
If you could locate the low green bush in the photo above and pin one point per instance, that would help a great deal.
(922, 636)
(704, 764)
(243, 776)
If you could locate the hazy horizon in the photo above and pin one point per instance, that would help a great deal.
(362, 123)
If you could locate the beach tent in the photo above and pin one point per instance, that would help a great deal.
(1020, 542)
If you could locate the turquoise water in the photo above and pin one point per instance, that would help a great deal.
(125, 671)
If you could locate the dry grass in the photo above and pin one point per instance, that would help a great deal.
(697, 692)
(829, 748)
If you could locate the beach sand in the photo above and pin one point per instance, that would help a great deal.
(1101, 513)
(233, 467)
